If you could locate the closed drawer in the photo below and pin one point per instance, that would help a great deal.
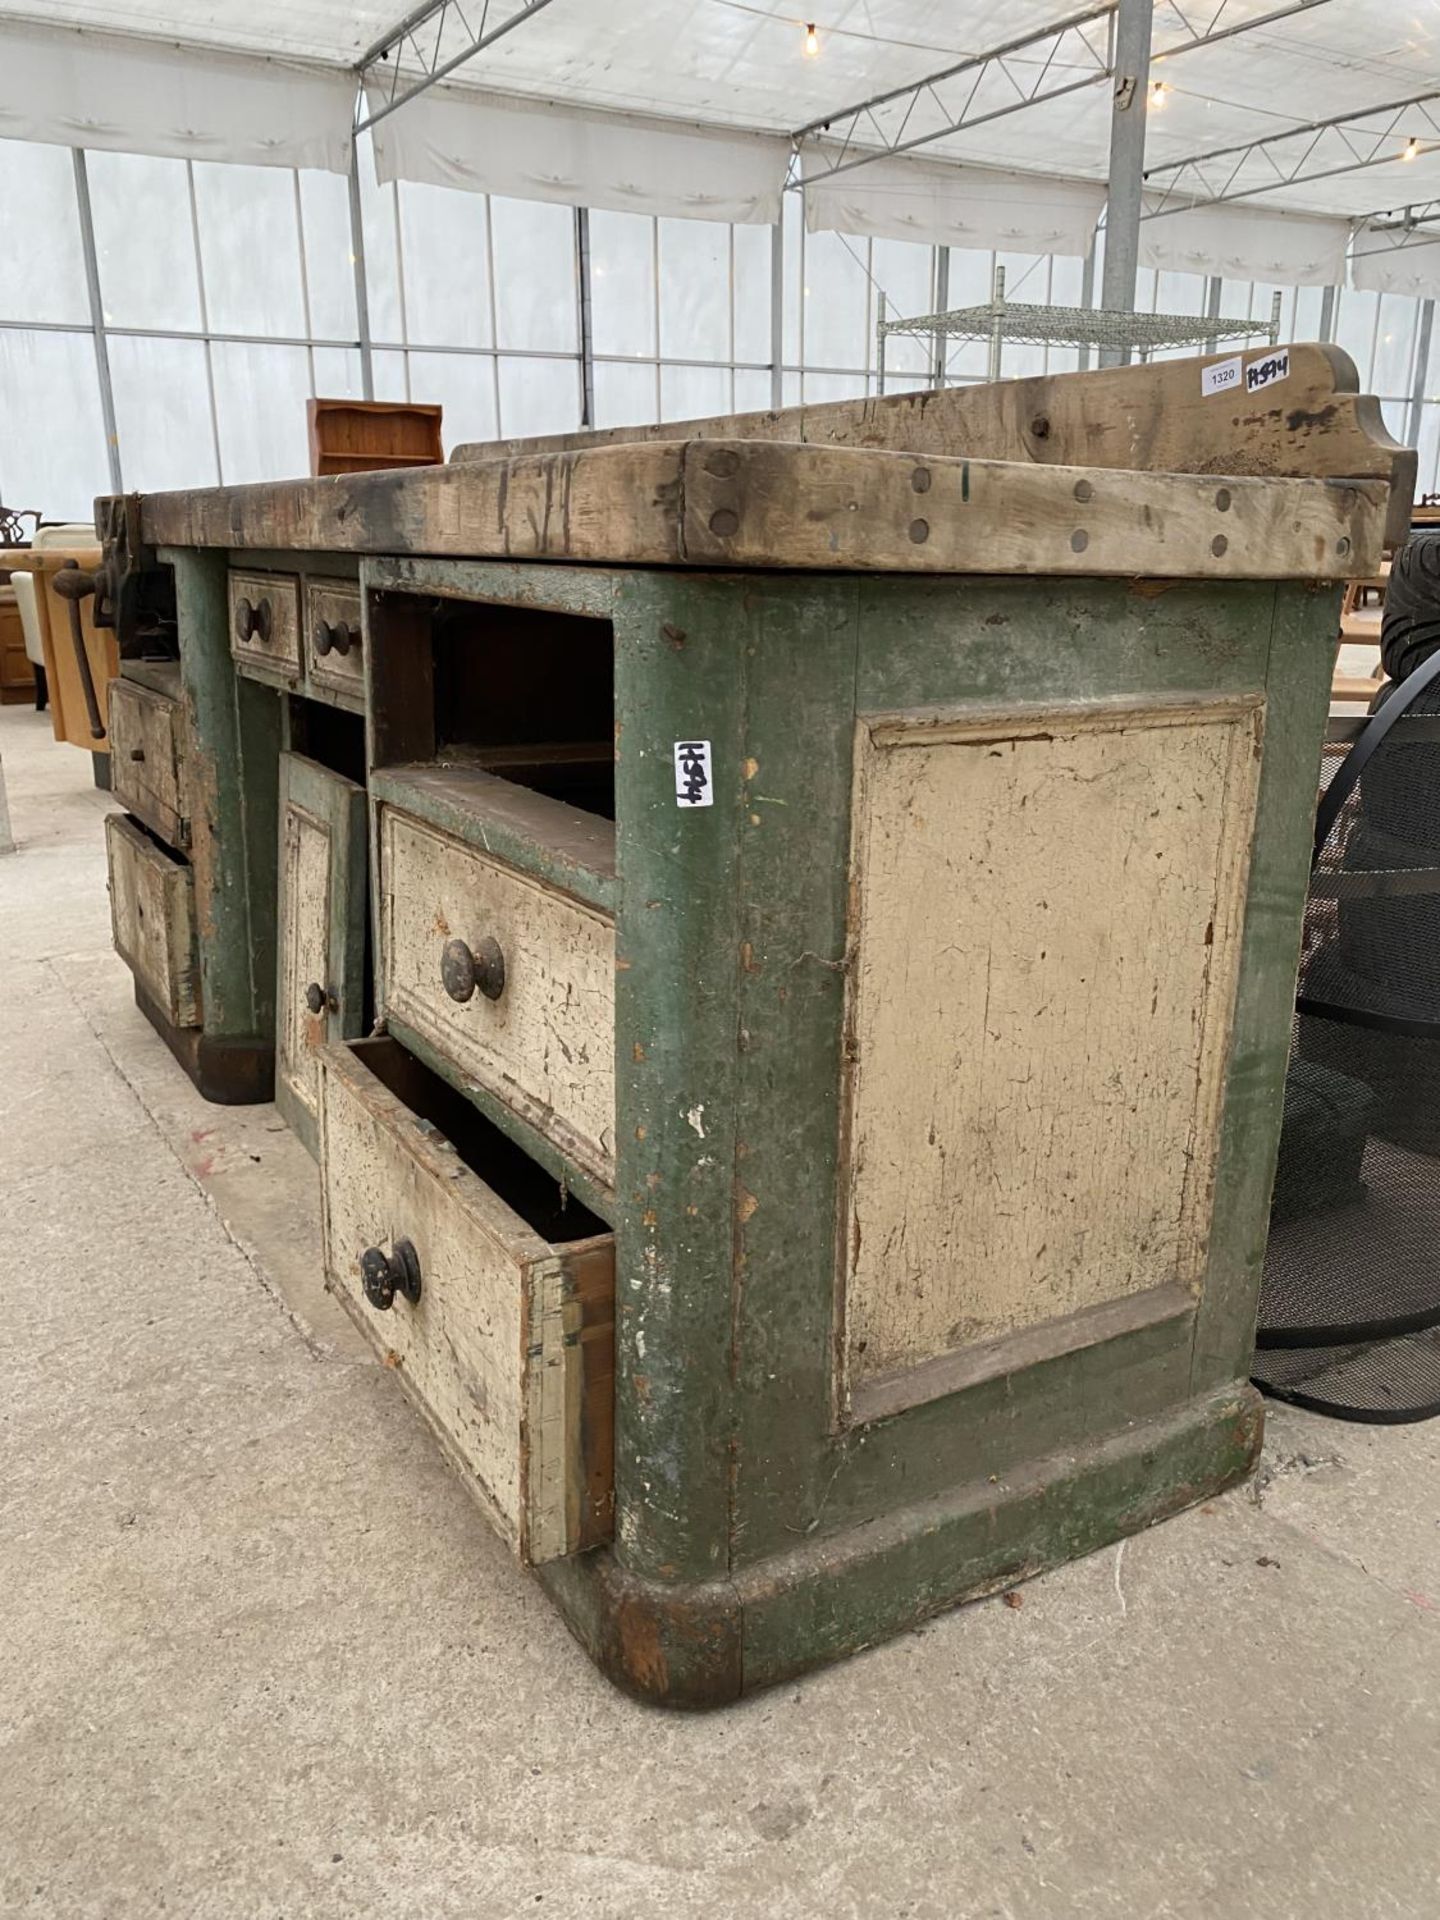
(265, 620)
(488, 1292)
(152, 917)
(332, 635)
(147, 759)
(538, 1029)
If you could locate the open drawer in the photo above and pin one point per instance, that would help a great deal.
(489, 1292)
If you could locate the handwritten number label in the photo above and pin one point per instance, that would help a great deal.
(1264, 373)
(693, 787)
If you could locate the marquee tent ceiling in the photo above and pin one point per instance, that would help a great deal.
(741, 64)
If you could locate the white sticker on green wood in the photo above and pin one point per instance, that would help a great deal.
(693, 786)
(1222, 377)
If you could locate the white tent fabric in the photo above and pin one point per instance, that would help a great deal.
(905, 199)
(458, 138)
(1247, 243)
(1379, 265)
(129, 95)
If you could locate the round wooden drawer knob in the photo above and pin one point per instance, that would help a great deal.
(462, 971)
(384, 1275)
(252, 621)
(339, 638)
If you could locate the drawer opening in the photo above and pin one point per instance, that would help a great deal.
(329, 735)
(521, 692)
(522, 1183)
(153, 840)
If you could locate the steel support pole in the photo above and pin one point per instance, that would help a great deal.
(582, 289)
(1421, 369)
(97, 319)
(1087, 291)
(1212, 305)
(1327, 314)
(1127, 163)
(938, 340)
(777, 314)
(362, 286)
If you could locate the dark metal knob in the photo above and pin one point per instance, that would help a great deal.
(384, 1275)
(252, 622)
(462, 971)
(315, 997)
(339, 638)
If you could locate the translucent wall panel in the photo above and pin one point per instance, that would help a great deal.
(1356, 312)
(538, 396)
(905, 274)
(694, 290)
(144, 241)
(250, 249)
(329, 266)
(625, 393)
(1067, 289)
(382, 257)
(445, 252)
(1394, 362)
(622, 284)
(1027, 279)
(752, 391)
(752, 292)
(534, 248)
(1429, 451)
(1309, 302)
(162, 412)
(972, 281)
(693, 393)
(52, 447)
(464, 385)
(392, 376)
(793, 214)
(832, 386)
(337, 373)
(837, 302)
(260, 396)
(42, 275)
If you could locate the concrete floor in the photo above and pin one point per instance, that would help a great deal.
(261, 1657)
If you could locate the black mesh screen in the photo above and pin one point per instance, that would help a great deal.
(1351, 1290)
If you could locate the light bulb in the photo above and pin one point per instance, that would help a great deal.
(812, 41)
(1412, 149)
(1157, 95)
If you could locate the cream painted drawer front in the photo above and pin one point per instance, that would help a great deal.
(147, 759)
(503, 1337)
(265, 620)
(332, 636)
(152, 917)
(546, 1046)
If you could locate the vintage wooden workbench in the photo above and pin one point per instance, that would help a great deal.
(783, 946)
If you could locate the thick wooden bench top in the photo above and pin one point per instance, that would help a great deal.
(1311, 421)
(771, 504)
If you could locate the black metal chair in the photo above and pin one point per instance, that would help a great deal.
(1350, 1305)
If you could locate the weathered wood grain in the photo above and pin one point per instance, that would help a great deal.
(152, 918)
(547, 1045)
(508, 1351)
(1046, 917)
(147, 758)
(1154, 418)
(764, 505)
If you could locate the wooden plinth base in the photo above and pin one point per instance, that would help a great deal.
(229, 1072)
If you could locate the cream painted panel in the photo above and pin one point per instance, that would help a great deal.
(496, 1349)
(306, 852)
(1045, 934)
(152, 918)
(547, 1045)
(146, 758)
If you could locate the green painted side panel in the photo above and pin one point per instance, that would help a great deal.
(583, 590)
(234, 729)
(683, 652)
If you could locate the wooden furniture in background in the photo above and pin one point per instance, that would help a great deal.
(17, 676)
(71, 717)
(362, 436)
